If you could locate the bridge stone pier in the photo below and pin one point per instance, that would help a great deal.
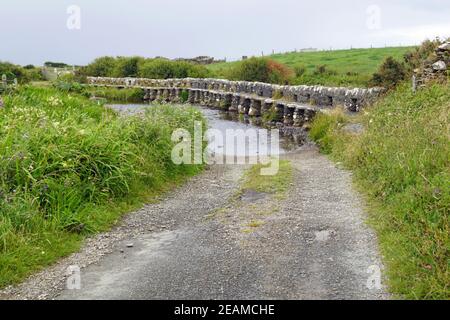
(290, 105)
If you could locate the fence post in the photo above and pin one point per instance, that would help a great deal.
(4, 81)
(414, 83)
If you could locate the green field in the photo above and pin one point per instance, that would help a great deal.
(344, 67)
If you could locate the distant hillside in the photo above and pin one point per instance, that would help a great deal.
(342, 67)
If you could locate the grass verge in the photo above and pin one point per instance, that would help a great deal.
(402, 164)
(277, 184)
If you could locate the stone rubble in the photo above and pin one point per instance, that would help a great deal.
(436, 70)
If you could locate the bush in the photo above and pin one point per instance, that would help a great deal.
(416, 58)
(159, 68)
(253, 69)
(13, 71)
(390, 74)
(55, 64)
(34, 74)
(323, 70)
(67, 83)
(165, 69)
(279, 73)
(299, 70)
(262, 70)
(100, 67)
(184, 96)
(126, 67)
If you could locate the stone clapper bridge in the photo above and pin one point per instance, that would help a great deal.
(293, 106)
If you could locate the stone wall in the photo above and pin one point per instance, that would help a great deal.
(352, 99)
(436, 70)
(289, 105)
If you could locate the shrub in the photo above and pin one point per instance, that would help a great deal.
(262, 70)
(426, 51)
(13, 71)
(126, 67)
(279, 73)
(253, 69)
(165, 69)
(391, 73)
(299, 70)
(323, 70)
(51, 64)
(184, 96)
(100, 67)
(34, 74)
(159, 68)
(67, 83)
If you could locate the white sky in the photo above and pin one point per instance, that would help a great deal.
(36, 31)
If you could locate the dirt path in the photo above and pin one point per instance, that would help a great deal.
(201, 242)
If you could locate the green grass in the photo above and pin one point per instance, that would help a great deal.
(41, 84)
(348, 67)
(126, 95)
(67, 84)
(402, 164)
(277, 184)
(70, 168)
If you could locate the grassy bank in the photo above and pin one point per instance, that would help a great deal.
(402, 163)
(126, 95)
(67, 85)
(70, 168)
(341, 67)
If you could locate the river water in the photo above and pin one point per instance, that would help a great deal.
(223, 122)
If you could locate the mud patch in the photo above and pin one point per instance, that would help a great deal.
(250, 196)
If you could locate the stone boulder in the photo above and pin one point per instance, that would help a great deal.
(444, 47)
(439, 66)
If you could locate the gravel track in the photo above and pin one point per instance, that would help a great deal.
(203, 242)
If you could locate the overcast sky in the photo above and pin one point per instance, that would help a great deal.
(37, 31)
